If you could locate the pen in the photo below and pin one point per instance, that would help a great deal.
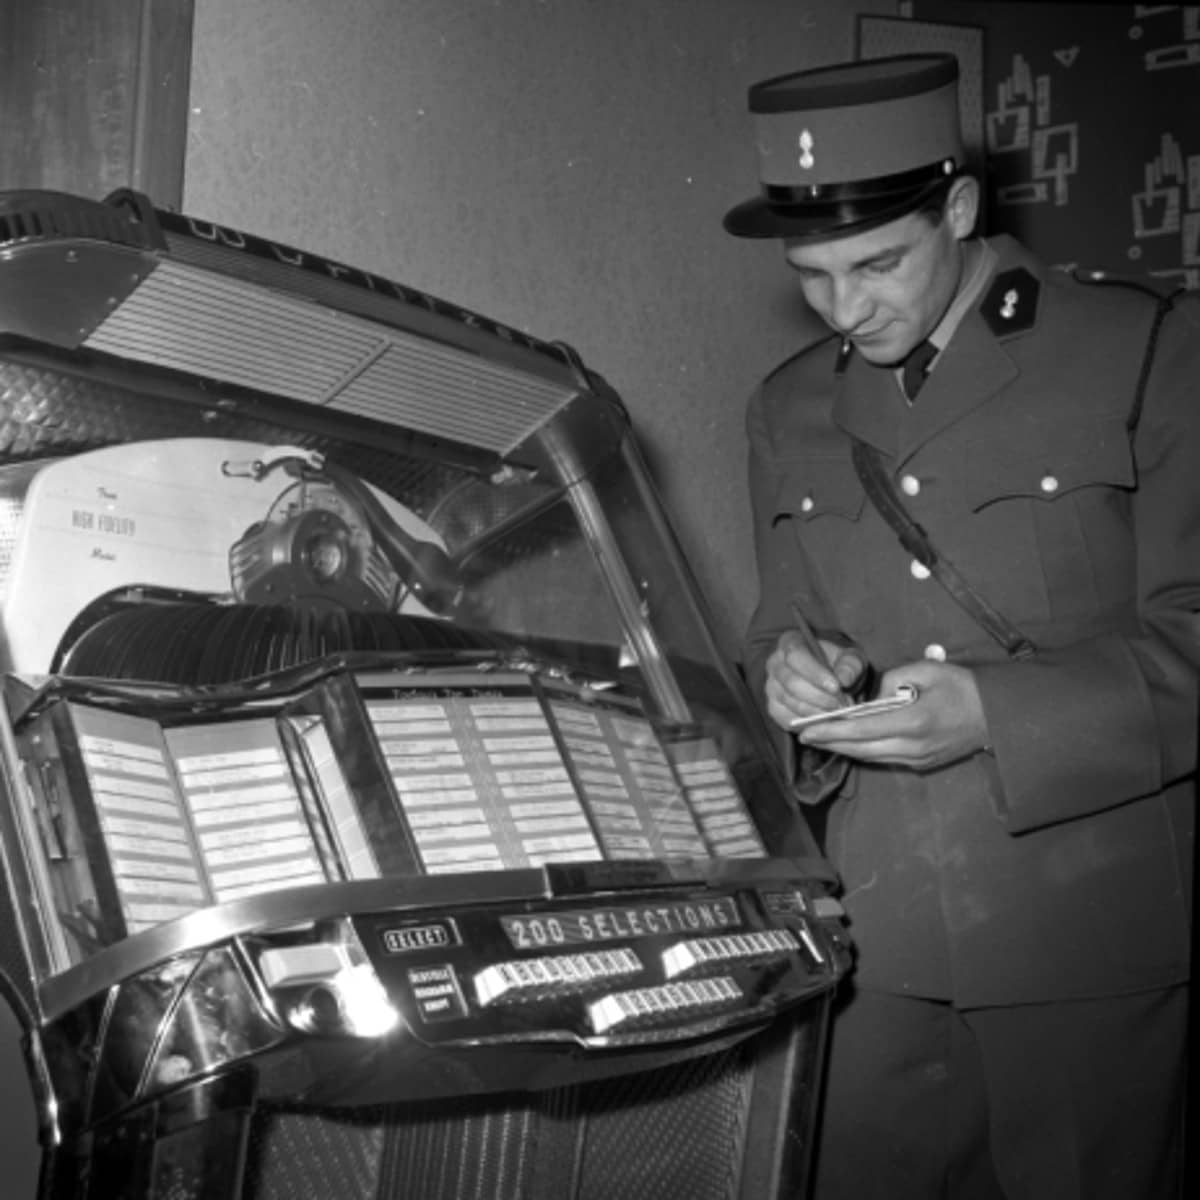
(804, 629)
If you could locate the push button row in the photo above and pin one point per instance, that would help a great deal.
(526, 978)
(701, 952)
(647, 1006)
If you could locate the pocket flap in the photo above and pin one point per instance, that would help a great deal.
(816, 487)
(1050, 462)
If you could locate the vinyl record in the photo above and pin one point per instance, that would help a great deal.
(139, 643)
(328, 632)
(364, 632)
(267, 628)
(182, 633)
(224, 646)
(255, 638)
(106, 650)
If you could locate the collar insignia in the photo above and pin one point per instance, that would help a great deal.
(1010, 305)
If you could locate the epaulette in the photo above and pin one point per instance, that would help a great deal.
(1159, 289)
(1010, 304)
(1164, 297)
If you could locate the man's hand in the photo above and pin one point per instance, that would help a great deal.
(806, 677)
(945, 724)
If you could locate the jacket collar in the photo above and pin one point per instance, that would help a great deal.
(970, 371)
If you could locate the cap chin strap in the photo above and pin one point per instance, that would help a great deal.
(881, 188)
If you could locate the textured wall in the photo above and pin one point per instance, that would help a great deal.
(560, 165)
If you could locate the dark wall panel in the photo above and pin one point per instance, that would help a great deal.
(1092, 132)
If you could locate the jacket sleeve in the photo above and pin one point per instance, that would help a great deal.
(1086, 726)
(785, 586)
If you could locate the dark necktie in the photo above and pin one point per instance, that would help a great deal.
(916, 368)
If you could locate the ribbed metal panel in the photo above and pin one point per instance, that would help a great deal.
(434, 389)
(224, 329)
(206, 324)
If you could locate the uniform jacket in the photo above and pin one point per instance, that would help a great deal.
(1059, 864)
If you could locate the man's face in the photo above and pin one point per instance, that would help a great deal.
(885, 289)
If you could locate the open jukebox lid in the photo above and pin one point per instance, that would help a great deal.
(354, 688)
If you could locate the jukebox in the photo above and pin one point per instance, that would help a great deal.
(378, 816)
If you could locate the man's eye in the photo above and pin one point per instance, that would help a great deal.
(883, 266)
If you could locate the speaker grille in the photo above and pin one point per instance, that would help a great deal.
(212, 326)
(674, 1133)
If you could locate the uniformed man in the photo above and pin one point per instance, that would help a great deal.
(983, 484)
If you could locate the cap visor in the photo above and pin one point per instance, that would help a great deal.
(759, 218)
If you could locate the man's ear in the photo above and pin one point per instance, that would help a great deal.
(962, 205)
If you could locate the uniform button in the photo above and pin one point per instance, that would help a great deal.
(910, 485)
(1049, 483)
(807, 504)
(919, 569)
(935, 652)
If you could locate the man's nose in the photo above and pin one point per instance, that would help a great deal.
(850, 305)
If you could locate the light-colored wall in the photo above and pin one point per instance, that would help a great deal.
(559, 165)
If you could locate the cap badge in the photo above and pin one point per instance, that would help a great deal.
(1008, 306)
(807, 162)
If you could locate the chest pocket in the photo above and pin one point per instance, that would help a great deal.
(813, 488)
(821, 499)
(1050, 462)
(1068, 489)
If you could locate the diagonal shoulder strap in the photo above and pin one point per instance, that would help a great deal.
(881, 491)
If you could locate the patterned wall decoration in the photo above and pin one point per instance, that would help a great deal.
(1091, 129)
